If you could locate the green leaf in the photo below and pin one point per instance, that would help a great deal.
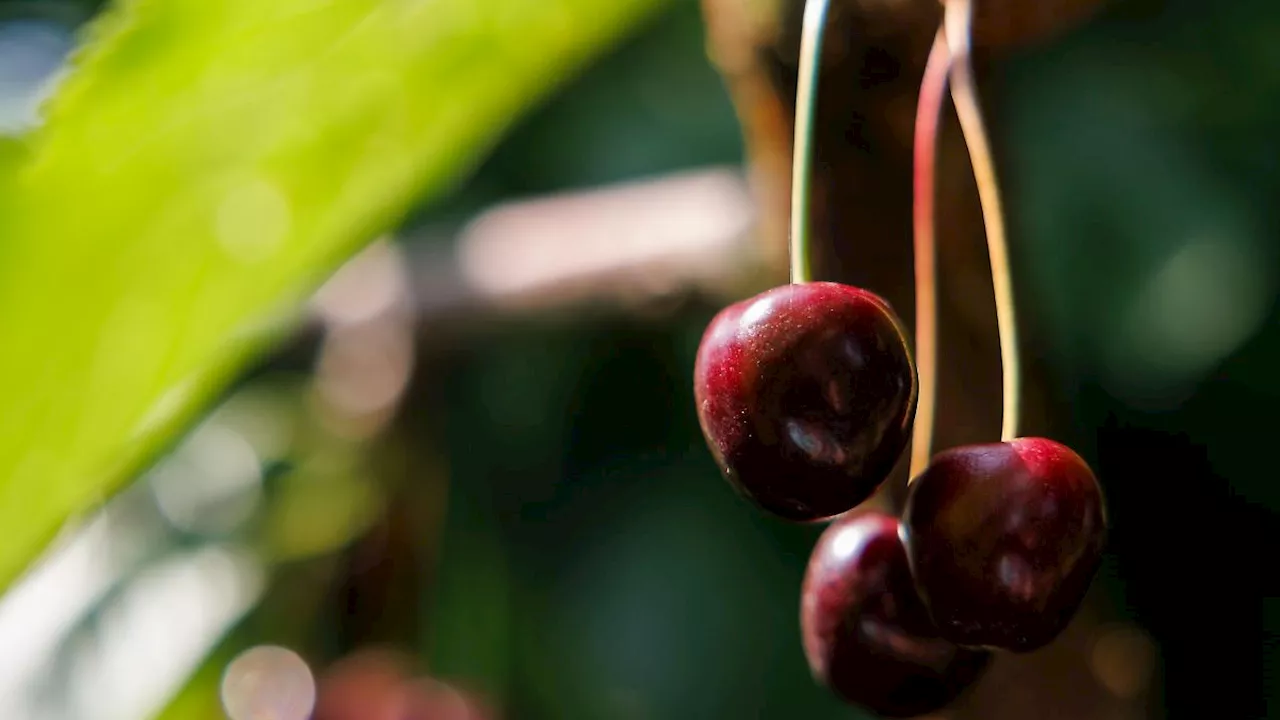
(202, 168)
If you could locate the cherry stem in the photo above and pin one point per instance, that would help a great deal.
(933, 87)
(815, 20)
(957, 23)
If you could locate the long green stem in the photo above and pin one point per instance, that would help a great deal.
(933, 87)
(958, 20)
(815, 20)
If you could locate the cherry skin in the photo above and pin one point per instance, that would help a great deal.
(867, 636)
(1004, 540)
(806, 394)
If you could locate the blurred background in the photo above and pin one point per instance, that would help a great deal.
(475, 471)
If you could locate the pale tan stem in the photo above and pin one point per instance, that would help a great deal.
(933, 88)
(957, 23)
(811, 32)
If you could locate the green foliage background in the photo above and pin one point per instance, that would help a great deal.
(201, 169)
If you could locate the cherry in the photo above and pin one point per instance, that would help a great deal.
(866, 633)
(1004, 540)
(806, 394)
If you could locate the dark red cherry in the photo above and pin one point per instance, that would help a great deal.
(1004, 540)
(806, 394)
(866, 634)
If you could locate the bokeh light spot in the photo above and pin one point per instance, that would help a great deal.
(268, 683)
(1206, 301)
(253, 220)
(212, 484)
(1123, 660)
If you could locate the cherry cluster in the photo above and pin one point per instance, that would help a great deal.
(807, 395)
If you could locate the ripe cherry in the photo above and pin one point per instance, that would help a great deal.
(805, 394)
(1004, 540)
(866, 633)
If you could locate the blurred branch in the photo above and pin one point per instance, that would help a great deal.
(630, 243)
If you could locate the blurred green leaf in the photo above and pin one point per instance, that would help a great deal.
(200, 698)
(321, 506)
(202, 168)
